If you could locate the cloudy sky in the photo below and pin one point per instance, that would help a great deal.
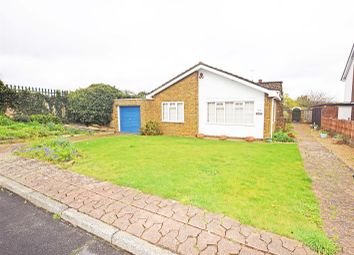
(138, 45)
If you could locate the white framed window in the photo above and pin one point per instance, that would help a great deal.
(231, 112)
(173, 112)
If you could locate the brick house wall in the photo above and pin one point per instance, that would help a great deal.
(145, 109)
(267, 116)
(280, 121)
(185, 90)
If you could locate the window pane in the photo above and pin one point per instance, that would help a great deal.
(248, 113)
(165, 112)
(211, 113)
(229, 112)
(173, 112)
(238, 112)
(180, 112)
(220, 113)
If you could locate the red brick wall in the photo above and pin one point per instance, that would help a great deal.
(330, 111)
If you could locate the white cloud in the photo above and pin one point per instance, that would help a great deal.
(138, 45)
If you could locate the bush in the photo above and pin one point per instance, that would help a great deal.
(92, 105)
(21, 117)
(5, 121)
(151, 128)
(45, 118)
(288, 127)
(7, 97)
(55, 150)
(280, 136)
(29, 103)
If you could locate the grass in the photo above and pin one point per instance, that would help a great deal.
(263, 185)
(12, 130)
(57, 150)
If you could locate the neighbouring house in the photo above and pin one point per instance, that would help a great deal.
(343, 110)
(205, 100)
(346, 112)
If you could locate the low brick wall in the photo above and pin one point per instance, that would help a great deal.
(344, 127)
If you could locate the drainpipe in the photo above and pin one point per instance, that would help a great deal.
(271, 119)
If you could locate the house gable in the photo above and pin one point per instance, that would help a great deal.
(222, 73)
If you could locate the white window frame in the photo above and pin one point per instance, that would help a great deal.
(168, 111)
(243, 101)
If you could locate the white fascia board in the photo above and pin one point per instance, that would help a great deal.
(348, 65)
(271, 93)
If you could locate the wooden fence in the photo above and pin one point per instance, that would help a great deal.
(43, 91)
(344, 127)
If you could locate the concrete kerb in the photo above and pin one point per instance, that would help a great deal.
(96, 227)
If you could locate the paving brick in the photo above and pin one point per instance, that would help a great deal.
(249, 251)
(188, 247)
(289, 244)
(210, 250)
(276, 247)
(169, 241)
(226, 247)
(216, 227)
(187, 231)
(198, 221)
(254, 240)
(152, 234)
(205, 239)
(235, 235)
(136, 228)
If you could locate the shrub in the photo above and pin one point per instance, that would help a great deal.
(92, 105)
(5, 121)
(324, 132)
(288, 127)
(29, 103)
(45, 118)
(7, 97)
(151, 128)
(21, 117)
(339, 137)
(55, 150)
(280, 136)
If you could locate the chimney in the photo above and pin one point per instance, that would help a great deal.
(259, 80)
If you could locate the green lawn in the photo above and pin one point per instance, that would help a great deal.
(263, 185)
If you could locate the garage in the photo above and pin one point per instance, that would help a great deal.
(129, 117)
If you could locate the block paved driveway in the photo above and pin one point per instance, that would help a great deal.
(185, 230)
(26, 229)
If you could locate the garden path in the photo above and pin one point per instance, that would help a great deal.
(333, 184)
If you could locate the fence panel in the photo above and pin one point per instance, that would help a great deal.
(344, 127)
(43, 91)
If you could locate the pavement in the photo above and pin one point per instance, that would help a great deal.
(26, 229)
(139, 222)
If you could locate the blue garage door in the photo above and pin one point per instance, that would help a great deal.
(129, 119)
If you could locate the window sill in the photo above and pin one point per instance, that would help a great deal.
(177, 122)
(230, 124)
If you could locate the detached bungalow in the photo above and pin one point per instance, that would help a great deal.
(205, 100)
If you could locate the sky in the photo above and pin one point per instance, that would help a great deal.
(138, 45)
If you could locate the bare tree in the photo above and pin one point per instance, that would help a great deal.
(314, 98)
